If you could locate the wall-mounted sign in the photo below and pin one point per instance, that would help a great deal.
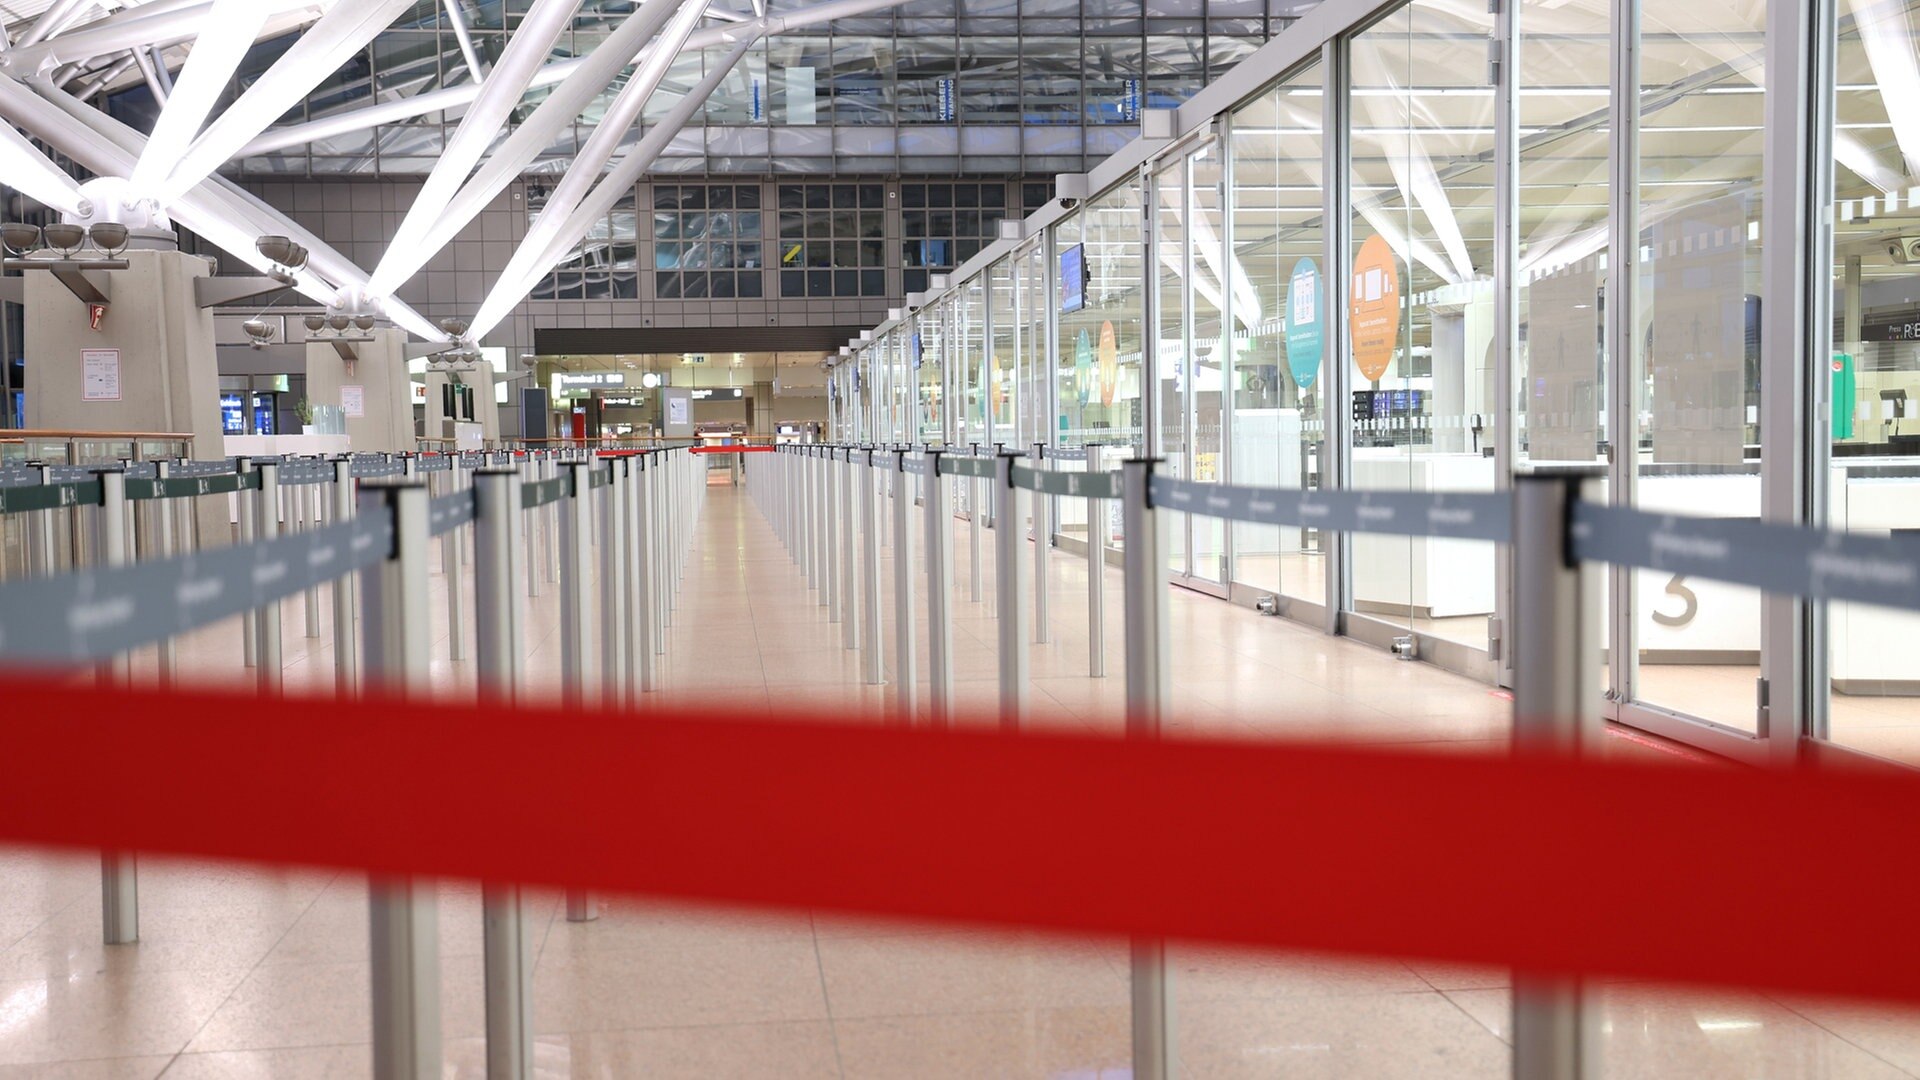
(720, 393)
(946, 101)
(756, 106)
(1374, 309)
(677, 410)
(1130, 100)
(1304, 333)
(353, 401)
(100, 375)
(581, 380)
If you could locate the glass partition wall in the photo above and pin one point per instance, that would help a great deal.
(1505, 267)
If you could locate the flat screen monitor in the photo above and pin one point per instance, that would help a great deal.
(1073, 279)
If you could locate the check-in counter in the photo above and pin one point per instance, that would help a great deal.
(1434, 579)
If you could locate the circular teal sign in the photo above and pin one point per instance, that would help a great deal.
(1304, 323)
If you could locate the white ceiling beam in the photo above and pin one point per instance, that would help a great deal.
(528, 267)
(614, 127)
(51, 21)
(530, 137)
(229, 33)
(156, 24)
(524, 54)
(218, 210)
(321, 50)
(32, 172)
(370, 116)
(465, 39)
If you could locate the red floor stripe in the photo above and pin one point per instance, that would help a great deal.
(1745, 877)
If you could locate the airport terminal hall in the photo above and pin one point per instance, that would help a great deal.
(952, 539)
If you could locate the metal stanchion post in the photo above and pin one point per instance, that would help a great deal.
(1096, 577)
(833, 517)
(847, 507)
(976, 515)
(244, 513)
(661, 466)
(402, 921)
(1556, 703)
(267, 651)
(162, 548)
(507, 946)
(576, 629)
(451, 549)
(869, 478)
(530, 526)
(306, 516)
(1148, 694)
(549, 519)
(640, 608)
(939, 545)
(822, 531)
(345, 658)
(1042, 544)
(613, 584)
(903, 659)
(1010, 575)
(119, 878)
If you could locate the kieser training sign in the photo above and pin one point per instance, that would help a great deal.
(1374, 310)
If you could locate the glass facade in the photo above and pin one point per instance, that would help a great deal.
(1411, 280)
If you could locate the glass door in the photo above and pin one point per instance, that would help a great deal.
(1189, 357)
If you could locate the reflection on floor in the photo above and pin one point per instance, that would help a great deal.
(245, 972)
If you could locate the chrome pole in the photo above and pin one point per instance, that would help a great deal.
(506, 943)
(613, 584)
(1148, 693)
(266, 527)
(403, 931)
(868, 479)
(904, 676)
(1042, 544)
(1096, 576)
(245, 510)
(939, 545)
(162, 521)
(345, 658)
(1010, 574)
(119, 878)
(645, 521)
(576, 628)
(451, 550)
(1556, 703)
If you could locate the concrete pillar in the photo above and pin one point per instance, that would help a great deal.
(378, 379)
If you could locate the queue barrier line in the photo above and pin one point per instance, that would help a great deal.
(178, 487)
(1524, 860)
(54, 496)
(94, 613)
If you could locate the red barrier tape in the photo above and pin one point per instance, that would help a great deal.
(1732, 876)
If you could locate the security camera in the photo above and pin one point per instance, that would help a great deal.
(1069, 203)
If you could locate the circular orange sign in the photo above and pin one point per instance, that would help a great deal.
(1373, 308)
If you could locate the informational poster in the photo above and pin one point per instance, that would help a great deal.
(677, 410)
(1563, 363)
(353, 402)
(1698, 354)
(1374, 308)
(1304, 332)
(100, 374)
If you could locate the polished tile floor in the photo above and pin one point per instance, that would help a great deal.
(246, 972)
